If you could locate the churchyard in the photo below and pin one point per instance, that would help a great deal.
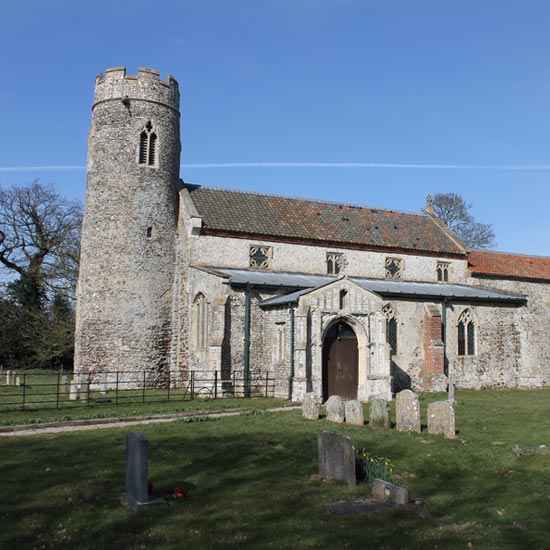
(251, 481)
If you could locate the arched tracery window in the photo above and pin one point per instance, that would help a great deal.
(466, 334)
(391, 327)
(201, 314)
(148, 146)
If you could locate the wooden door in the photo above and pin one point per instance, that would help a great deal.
(340, 369)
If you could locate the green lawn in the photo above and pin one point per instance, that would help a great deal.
(250, 485)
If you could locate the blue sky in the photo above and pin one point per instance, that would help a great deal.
(375, 102)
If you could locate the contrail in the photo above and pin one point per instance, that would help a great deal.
(502, 167)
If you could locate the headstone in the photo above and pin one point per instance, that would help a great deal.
(379, 416)
(17, 380)
(103, 384)
(310, 407)
(335, 408)
(73, 391)
(354, 412)
(336, 457)
(84, 390)
(385, 490)
(137, 472)
(63, 384)
(8, 377)
(407, 412)
(441, 419)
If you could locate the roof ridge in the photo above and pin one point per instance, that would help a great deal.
(302, 199)
(510, 254)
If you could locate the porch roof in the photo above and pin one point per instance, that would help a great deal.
(299, 284)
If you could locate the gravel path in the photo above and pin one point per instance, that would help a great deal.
(109, 423)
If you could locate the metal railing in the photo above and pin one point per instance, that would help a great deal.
(54, 390)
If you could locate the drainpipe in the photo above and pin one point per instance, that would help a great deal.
(291, 374)
(451, 389)
(246, 373)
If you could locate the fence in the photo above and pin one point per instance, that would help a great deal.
(51, 390)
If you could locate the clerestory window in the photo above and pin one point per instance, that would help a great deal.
(148, 146)
(335, 263)
(443, 269)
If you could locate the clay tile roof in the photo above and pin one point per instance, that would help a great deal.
(247, 214)
(500, 264)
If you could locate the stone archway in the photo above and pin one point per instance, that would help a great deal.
(340, 361)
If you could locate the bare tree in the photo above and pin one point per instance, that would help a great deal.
(39, 239)
(452, 210)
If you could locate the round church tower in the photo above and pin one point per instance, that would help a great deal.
(124, 294)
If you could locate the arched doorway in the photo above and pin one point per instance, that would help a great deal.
(340, 362)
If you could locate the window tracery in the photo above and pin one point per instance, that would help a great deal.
(466, 334)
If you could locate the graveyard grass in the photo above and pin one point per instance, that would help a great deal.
(250, 484)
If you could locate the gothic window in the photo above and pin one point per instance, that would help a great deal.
(335, 263)
(466, 334)
(260, 257)
(391, 327)
(443, 269)
(201, 313)
(148, 146)
(394, 268)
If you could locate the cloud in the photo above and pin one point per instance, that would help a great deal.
(365, 165)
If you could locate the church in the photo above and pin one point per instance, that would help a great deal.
(329, 298)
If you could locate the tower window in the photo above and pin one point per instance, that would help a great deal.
(466, 334)
(201, 314)
(148, 146)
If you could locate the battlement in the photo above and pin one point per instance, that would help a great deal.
(145, 86)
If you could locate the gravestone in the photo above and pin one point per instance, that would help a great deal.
(17, 380)
(103, 384)
(84, 390)
(335, 409)
(336, 457)
(73, 391)
(310, 407)
(407, 412)
(385, 490)
(137, 472)
(441, 419)
(63, 384)
(8, 377)
(379, 416)
(354, 412)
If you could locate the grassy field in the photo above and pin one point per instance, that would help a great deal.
(250, 485)
(44, 402)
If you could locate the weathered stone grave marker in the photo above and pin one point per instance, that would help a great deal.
(63, 384)
(407, 411)
(354, 412)
(137, 472)
(379, 416)
(103, 384)
(17, 380)
(84, 390)
(441, 419)
(73, 391)
(335, 409)
(310, 407)
(336, 457)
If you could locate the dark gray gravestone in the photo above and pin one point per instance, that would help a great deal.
(336, 457)
(137, 471)
(379, 414)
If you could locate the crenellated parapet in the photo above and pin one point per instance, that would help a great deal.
(146, 86)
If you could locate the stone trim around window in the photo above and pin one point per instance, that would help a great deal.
(260, 257)
(394, 268)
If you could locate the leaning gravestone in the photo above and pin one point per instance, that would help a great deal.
(335, 409)
(137, 472)
(407, 412)
(336, 457)
(354, 412)
(379, 416)
(310, 407)
(441, 419)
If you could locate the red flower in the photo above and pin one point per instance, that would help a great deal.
(179, 492)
